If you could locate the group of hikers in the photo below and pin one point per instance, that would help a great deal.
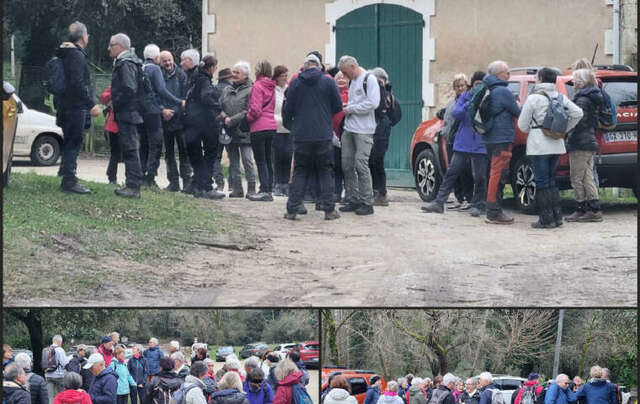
(480, 136)
(105, 375)
(310, 136)
(449, 389)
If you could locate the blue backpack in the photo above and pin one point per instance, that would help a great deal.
(54, 80)
(179, 397)
(300, 395)
(608, 114)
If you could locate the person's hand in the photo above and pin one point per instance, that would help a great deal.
(227, 122)
(95, 111)
(183, 103)
(141, 386)
(167, 114)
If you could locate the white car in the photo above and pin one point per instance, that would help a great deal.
(507, 385)
(283, 349)
(38, 137)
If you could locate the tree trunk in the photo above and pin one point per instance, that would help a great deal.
(587, 341)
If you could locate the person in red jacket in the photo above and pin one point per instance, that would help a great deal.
(338, 127)
(288, 375)
(111, 134)
(530, 387)
(105, 350)
(72, 393)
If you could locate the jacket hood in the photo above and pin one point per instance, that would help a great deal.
(594, 94)
(107, 371)
(415, 388)
(598, 382)
(267, 83)
(291, 379)
(71, 396)
(310, 76)
(169, 379)
(387, 398)
(548, 88)
(338, 394)
(492, 81)
(129, 55)
(13, 385)
(193, 380)
(67, 47)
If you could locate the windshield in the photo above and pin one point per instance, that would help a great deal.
(623, 93)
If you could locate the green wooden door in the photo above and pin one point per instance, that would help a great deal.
(390, 36)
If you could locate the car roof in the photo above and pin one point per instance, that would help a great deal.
(567, 75)
(310, 342)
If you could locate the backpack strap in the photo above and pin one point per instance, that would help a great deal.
(364, 83)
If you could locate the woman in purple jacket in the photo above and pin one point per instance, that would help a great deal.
(466, 146)
(262, 126)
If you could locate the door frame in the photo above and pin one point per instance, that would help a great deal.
(426, 8)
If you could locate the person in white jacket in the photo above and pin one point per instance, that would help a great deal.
(391, 395)
(340, 392)
(544, 151)
(282, 141)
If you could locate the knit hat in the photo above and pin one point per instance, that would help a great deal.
(533, 376)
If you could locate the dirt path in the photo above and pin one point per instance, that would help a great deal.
(397, 257)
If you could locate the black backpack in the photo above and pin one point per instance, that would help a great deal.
(364, 87)
(49, 361)
(54, 80)
(479, 109)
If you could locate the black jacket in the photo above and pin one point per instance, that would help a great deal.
(231, 396)
(176, 82)
(13, 393)
(166, 380)
(78, 93)
(583, 135)
(127, 89)
(75, 364)
(138, 369)
(37, 388)
(466, 399)
(387, 114)
(311, 101)
(448, 399)
(203, 102)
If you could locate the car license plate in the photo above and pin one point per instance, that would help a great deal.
(621, 136)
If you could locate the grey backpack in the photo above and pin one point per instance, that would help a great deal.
(556, 120)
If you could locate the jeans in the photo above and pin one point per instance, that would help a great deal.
(170, 139)
(130, 147)
(261, 145)
(376, 164)
(136, 394)
(544, 170)
(73, 130)
(581, 172)
(356, 149)
(457, 168)
(150, 144)
(115, 157)
(282, 153)
(54, 387)
(305, 155)
(500, 154)
(337, 171)
(122, 398)
(463, 188)
(235, 152)
(202, 146)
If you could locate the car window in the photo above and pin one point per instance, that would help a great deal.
(277, 348)
(624, 93)
(313, 347)
(358, 385)
(514, 87)
(509, 384)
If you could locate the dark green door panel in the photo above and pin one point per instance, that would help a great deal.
(390, 36)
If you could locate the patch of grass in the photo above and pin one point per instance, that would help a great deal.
(147, 230)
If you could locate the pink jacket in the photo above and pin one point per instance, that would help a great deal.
(259, 115)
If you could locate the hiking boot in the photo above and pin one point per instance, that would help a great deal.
(301, 210)
(545, 215)
(465, 206)
(575, 216)
(127, 192)
(290, 216)
(476, 212)
(591, 216)
(433, 207)
(333, 215)
(251, 189)
(500, 218)
(556, 206)
(76, 188)
(381, 200)
(260, 197)
(237, 193)
(113, 181)
(350, 207)
(220, 185)
(364, 210)
(173, 187)
(454, 206)
(187, 185)
(211, 194)
(190, 188)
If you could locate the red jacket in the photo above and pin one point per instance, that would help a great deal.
(106, 354)
(528, 383)
(72, 397)
(110, 125)
(339, 117)
(284, 389)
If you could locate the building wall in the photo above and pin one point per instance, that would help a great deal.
(629, 33)
(281, 31)
(471, 33)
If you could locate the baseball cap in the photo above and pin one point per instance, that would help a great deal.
(93, 359)
(313, 59)
(533, 376)
(106, 339)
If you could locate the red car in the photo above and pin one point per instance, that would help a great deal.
(616, 161)
(358, 380)
(310, 354)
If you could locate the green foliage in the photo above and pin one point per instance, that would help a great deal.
(295, 325)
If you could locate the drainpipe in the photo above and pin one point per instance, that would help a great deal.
(616, 31)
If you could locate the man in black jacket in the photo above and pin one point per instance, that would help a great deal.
(176, 82)
(126, 94)
(74, 104)
(36, 383)
(312, 100)
(14, 386)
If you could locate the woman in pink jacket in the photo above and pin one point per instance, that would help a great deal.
(262, 125)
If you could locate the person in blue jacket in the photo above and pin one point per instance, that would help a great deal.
(598, 390)
(559, 391)
(467, 148)
(125, 381)
(373, 392)
(104, 388)
(152, 356)
(137, 366)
